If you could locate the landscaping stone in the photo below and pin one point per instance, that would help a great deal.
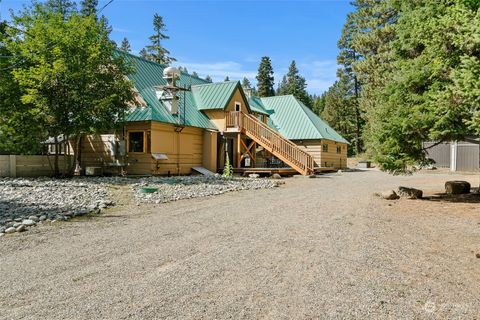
(2, 234)
(33, 218)
(457, 187)
(410, 193)
(11, 230)
(276, 176)
(28, 222)
(43, 218)
(253, 175)
(21, 228)
(389, 195)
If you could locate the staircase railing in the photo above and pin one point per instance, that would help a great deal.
(278, 145)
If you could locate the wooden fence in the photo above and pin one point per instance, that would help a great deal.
(29, 166)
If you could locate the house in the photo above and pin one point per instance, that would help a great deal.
(456, 155)
(182, 122)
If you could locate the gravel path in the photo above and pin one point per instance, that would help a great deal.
(314, 248)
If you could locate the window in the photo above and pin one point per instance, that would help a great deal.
(339, 149)
(325, 148)
(238, 106)
(136, 141)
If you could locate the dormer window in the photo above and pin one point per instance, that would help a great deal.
(238, 106)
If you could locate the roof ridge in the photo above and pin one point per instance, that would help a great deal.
(215, 83)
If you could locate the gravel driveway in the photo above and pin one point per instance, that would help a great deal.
(321, 248)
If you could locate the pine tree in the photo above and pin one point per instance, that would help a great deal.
(337, 109)
(156, 52)
(88, 7)
(265, 79)
(64, 7)
(347, 57)
(246, 83)
(195, 74)
(143, 53)
(318, 103)
(208, 79)
(282, 86)
(125, 46)
(295, 85)
(226, 79)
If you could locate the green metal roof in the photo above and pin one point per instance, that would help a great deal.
(256, 105)
(146, 77)
(295, 121)
(214, 95)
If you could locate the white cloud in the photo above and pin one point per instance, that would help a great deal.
(320, 74)
(219, 70)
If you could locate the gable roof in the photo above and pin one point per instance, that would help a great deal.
(146, 77)
(295, 121)
(216, 96)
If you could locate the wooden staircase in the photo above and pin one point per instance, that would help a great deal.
(272, 141)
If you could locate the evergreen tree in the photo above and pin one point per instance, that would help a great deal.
(155, 51)
(347, 57)
(143, 53)
(265, 79)
(246, 83)
(338, 112)
(295, 85)
(208, 79)
(282, 86)
(195, 74)
(318, 103)
(226, 79)
(64, 7)
(89, 7)
(422, 85)
(125, 46)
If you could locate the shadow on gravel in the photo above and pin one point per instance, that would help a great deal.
(473, 197)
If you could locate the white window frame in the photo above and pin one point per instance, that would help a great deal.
(239, 104)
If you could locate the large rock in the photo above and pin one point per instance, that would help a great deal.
(389, 195)
(410, 193)
(276, 176)
(457, 187)
(28, 222)
(11, 230)
(21, 228)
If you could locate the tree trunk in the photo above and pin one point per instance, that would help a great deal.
(56, 171)
(76, 153)
(358, 146)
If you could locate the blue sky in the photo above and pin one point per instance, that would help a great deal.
(221, 38)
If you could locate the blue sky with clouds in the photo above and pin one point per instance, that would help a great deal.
(228, 37)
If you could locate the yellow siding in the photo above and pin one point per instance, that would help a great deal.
(331, 158)
(237, 97)
(210, 150)
(183, 149)
(325, 159)
(218, 116)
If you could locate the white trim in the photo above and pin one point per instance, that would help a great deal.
(239, 104)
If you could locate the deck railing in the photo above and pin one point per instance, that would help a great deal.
(233, 120)
(271, 140)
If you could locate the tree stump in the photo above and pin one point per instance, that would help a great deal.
(457, 187)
